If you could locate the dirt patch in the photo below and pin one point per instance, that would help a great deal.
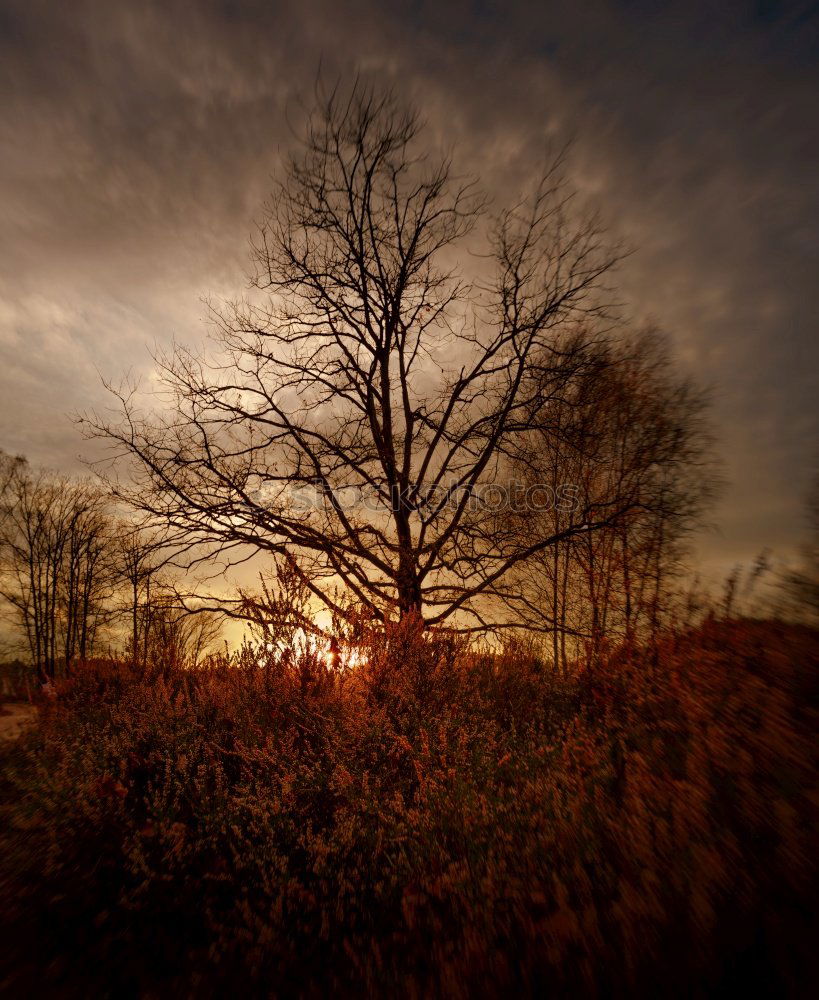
(15, 718)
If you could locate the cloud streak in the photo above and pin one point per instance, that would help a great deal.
(138, 142)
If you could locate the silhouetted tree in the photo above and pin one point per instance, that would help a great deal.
(173, 637)
(367, 367)
(55, 572)
(88, 578)
(138, 562)
(630, 431)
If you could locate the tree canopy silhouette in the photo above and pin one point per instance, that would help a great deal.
(366, 369)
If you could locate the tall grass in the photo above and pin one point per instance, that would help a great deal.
(436, 821)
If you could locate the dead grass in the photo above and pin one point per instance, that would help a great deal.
(436, 822)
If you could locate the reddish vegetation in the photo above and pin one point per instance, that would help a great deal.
(436, 821)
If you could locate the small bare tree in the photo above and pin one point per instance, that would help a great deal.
(367, 370)
(88, 574)
(628, 430)
(56, 577)
(173, 637)
(139, 560)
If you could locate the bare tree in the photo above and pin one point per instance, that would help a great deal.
(366, 368)
(633, 431)
(11, 466)
(139, 561)
(55, 576)
(173, 637)
(88, 577)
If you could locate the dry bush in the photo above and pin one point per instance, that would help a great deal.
(434, 821)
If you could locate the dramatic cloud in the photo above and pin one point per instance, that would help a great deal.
(138, 140)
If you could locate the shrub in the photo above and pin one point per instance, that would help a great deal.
(435, 820)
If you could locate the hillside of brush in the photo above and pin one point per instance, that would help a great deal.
(434, 821)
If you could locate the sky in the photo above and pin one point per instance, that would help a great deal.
(138, 140)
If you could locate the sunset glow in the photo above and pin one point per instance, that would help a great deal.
(409, 499)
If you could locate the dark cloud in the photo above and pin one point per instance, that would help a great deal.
(138, 140)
